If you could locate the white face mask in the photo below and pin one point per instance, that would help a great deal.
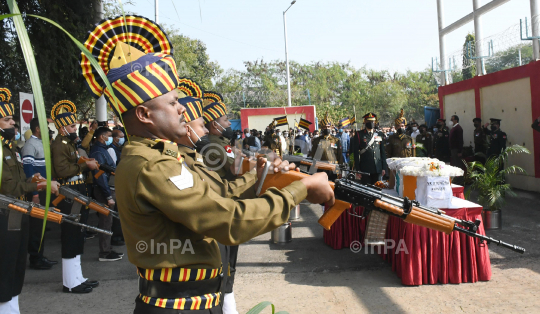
(414, 128)
(435, 129)
(248, 135)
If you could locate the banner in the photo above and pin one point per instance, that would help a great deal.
(27, 112)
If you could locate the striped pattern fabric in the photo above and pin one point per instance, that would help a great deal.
(353, 119)
(153, 80)
(281, 121)
(206, 301)
(63, 113)
(401, 119)
(6, 142)
(326, 121)
(193, 108)
(189, 87)
(178, 274)
(344, 122)
(6, 109)
(304, 124)
(214, 111)
(211, 97)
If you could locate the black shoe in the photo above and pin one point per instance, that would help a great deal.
(82, 288)
(118, 242)
(40, 265)
(119, 253)
(111, 257)
(91, 283)
(48, 261)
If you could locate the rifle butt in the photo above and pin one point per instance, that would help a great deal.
(332, 214)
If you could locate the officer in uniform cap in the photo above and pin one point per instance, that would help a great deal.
(272, 140)
(400, 144)
(220, 152)
(480, 143)
(327, 146)
(161, 200)
(13, 226)
(369, 151)
(497, 138)
(68, 171)
(442, 141)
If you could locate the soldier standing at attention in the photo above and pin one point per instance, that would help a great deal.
(161, 201)
(442, 141)
(68, 171)
(399, 144)
(424, 142)
(497, 138)
(272, 140)
(14, 240)
(480, 143)
(327, 147)
(221, 157)
(369, 151)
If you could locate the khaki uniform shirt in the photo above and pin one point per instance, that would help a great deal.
(331, 149)
(64, 158)
(219, 159)
(160, 200)
(13, 177)
(399, 146)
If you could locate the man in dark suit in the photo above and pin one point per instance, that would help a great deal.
(456, 142)
(369, 151)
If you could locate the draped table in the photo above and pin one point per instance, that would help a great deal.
(424, 256)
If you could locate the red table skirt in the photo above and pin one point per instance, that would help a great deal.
(423, 256)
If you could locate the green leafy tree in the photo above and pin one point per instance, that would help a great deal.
(509, 58)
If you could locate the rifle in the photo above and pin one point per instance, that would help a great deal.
(19, 207)
(80, 199)
(102, 168)
(373, 199)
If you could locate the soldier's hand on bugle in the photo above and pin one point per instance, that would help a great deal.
(319, 191)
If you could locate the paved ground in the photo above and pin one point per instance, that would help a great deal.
(306, 276)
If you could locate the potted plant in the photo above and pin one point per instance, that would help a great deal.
(489, 181)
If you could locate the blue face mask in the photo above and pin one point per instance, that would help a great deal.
(121, 141)
(17, 136)
(109, 141)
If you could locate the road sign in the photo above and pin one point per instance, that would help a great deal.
(27, 112)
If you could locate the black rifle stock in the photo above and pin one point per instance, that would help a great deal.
(372, 198)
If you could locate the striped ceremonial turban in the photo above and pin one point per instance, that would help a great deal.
(6, 109)
(63, 113)
(191, 95)
(401, 119)
(214, 108)
(135, 54)
(326, 121)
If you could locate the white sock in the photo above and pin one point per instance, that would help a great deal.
(10, 307)
(79, 274)
(71, 272)
(229, 304)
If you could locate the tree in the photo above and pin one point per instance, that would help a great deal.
(469, 65)
(509, 58)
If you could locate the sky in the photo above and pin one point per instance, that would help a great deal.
(394, 35)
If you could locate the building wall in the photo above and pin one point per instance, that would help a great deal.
(512, 95)
(462, 104)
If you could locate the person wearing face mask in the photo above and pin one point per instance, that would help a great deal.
(369, 151)
(400, 144)
(220, 133)
(480, 142)
(456, 142)
(496, 137)
(103, 192)
(69, 172)
(327, 147)
(14, 227)
(424, 142)
(441, 141)
(414, 129)
(119, 138)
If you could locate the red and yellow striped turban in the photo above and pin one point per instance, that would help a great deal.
(6, 109)
(63, 113)
(135, 54)
(191, 95)
(214, 108)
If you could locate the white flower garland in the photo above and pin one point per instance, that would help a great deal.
(423, 167)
